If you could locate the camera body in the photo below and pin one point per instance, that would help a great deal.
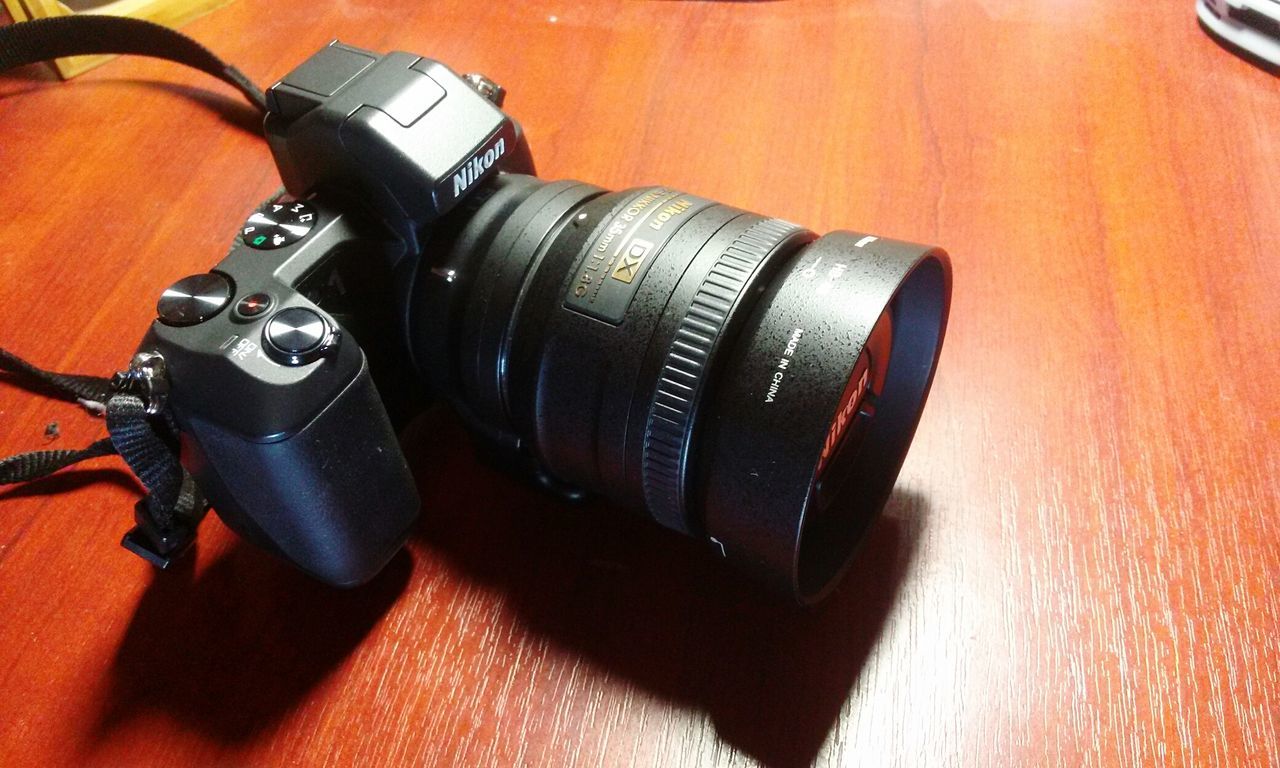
(281, 423)
(737, 377)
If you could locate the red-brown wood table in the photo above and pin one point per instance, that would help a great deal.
(1077, 566)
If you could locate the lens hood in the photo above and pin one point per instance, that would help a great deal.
(784, 398)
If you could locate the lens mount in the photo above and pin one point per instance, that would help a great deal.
(811, 419)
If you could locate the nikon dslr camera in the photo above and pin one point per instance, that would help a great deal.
(737, 377)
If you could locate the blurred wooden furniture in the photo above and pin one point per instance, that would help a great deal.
(1078, 567)
(171, 13)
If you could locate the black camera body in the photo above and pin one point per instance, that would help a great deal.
(739, 378)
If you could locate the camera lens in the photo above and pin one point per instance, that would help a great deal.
(737, 377)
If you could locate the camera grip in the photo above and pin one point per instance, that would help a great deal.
(336, 497)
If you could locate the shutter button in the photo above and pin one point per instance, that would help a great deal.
(193, 299)
(297, 336)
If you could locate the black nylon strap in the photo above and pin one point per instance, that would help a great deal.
(28, 42)
(151, 458)
(90, 391)
(168, 516)
(37, 464)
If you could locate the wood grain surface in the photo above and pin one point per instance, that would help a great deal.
(1078, 565)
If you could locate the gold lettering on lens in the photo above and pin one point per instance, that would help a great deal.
(626, 269)
(620, 223)
(630, 261)
(597, 260)
(669, 212)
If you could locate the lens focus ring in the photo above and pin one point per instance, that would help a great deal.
(680, 383)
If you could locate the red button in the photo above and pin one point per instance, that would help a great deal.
(254, 305)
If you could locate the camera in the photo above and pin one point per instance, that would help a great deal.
(735, 377)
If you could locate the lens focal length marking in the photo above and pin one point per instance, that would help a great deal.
(617, 259)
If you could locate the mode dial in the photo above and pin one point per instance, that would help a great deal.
(278, 224)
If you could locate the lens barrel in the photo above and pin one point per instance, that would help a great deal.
(737, 377)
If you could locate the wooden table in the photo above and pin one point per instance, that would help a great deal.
(1078, 564)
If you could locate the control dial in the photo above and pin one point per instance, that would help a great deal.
(297, 336)
(278, 224)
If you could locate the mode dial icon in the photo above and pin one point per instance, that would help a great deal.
(279, 224)
(297, 336)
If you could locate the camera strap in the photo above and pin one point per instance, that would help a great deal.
(140, 430)
(29, 42)
(143, 435)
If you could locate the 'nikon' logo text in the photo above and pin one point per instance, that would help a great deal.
(476, 166)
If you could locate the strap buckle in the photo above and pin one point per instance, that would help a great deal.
(167, 517)
(160, 546)
(165, 520)
(146, 378)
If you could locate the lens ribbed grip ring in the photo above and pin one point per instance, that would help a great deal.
(680, 383)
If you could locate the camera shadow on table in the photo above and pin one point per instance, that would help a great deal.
(231, 649)
(656, 608)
